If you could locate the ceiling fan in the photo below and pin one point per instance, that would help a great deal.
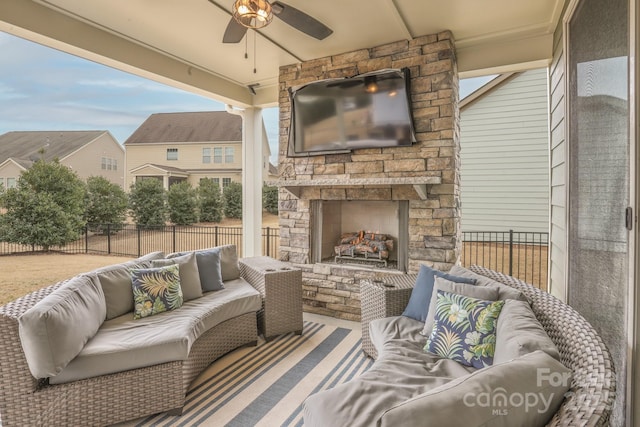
(258, 13)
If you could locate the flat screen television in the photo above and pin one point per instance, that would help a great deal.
(339, 115)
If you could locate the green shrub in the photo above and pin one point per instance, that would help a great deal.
(147, 203)
(45, 208)
(210, 202)
(106, 203)
(182, 203)
(233, 200)
(270, 199)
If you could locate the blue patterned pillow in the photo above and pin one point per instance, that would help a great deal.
(155, 290)
(464, 329)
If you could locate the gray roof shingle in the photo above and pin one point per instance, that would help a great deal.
(188, 127)
(26, 145)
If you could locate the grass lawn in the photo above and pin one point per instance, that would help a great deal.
(25, 273)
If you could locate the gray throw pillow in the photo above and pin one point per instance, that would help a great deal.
(55, 330)
(418, 306)
(189, 274)
(519, 332)
(479, 292)
(525, 392)
(209, 268)
(504, 291)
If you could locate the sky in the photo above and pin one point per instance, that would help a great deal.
(45, 89)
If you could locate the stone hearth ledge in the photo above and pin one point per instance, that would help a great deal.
(418, 183)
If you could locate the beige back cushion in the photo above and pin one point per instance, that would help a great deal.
(55, 330)
(473, 291)
(189, 274)
(116, 283)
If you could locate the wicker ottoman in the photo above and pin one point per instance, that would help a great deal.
(383, 299)
(281, 289)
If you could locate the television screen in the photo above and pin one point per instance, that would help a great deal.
(365, 111)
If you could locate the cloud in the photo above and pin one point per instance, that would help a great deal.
(45, 89)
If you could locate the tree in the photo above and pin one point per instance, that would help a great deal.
(209, 201)
(106, 203)
(183, 203)
(270, 199)
(45, 208)
(233, 200)
(147, 203)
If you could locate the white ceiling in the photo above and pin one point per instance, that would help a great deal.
(179, 42)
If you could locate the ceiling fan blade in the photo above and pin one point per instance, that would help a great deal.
(300, 20)
(234, 32)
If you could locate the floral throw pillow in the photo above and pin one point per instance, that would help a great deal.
(155, 290)
(464, 329)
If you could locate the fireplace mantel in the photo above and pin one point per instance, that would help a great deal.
(419, 183)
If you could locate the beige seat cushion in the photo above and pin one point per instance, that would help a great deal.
(56, 329)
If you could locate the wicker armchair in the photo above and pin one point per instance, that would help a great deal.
(590, 399)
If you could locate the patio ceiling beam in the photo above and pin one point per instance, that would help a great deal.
(54, 29)
(504, 56)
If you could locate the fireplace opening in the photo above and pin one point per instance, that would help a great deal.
(366, 233)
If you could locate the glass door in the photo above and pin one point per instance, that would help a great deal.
(599, 174)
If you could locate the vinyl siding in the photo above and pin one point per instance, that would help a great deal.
(505, 157)
(189, 159)
(558, 237)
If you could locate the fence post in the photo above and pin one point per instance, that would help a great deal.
(174, 238)
(268, 241)
(510, 252)
(138, 228)
(109, 239)
(86, 239)
(216, 236)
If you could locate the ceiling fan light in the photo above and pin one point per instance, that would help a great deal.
(252, 13)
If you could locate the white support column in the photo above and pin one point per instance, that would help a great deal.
(251, 180)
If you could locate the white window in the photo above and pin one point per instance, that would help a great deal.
(216, 181)
(104, 163)
(217, 155)
(1, 182)
(109, 164)
(228, 155)
(172, 154)
(115, 164)
(206, 155)
(225, 182)
(11, 182)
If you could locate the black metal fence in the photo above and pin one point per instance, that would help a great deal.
(131, 240)
(520, 254)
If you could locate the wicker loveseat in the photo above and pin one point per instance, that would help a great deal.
(589, 401)
(407, 385)
(115, 397)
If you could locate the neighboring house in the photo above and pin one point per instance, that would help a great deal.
(504, 140)
(88, 153)
(176, 147)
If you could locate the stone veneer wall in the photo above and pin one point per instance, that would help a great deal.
(434, 223)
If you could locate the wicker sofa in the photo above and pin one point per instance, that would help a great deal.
(116, 397)
(405, 385)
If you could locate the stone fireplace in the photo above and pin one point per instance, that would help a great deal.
(408, 194)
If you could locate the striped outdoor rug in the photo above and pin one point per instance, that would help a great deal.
(266, 385)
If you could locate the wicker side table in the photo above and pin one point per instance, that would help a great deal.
(281, 288)
(379, 299)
